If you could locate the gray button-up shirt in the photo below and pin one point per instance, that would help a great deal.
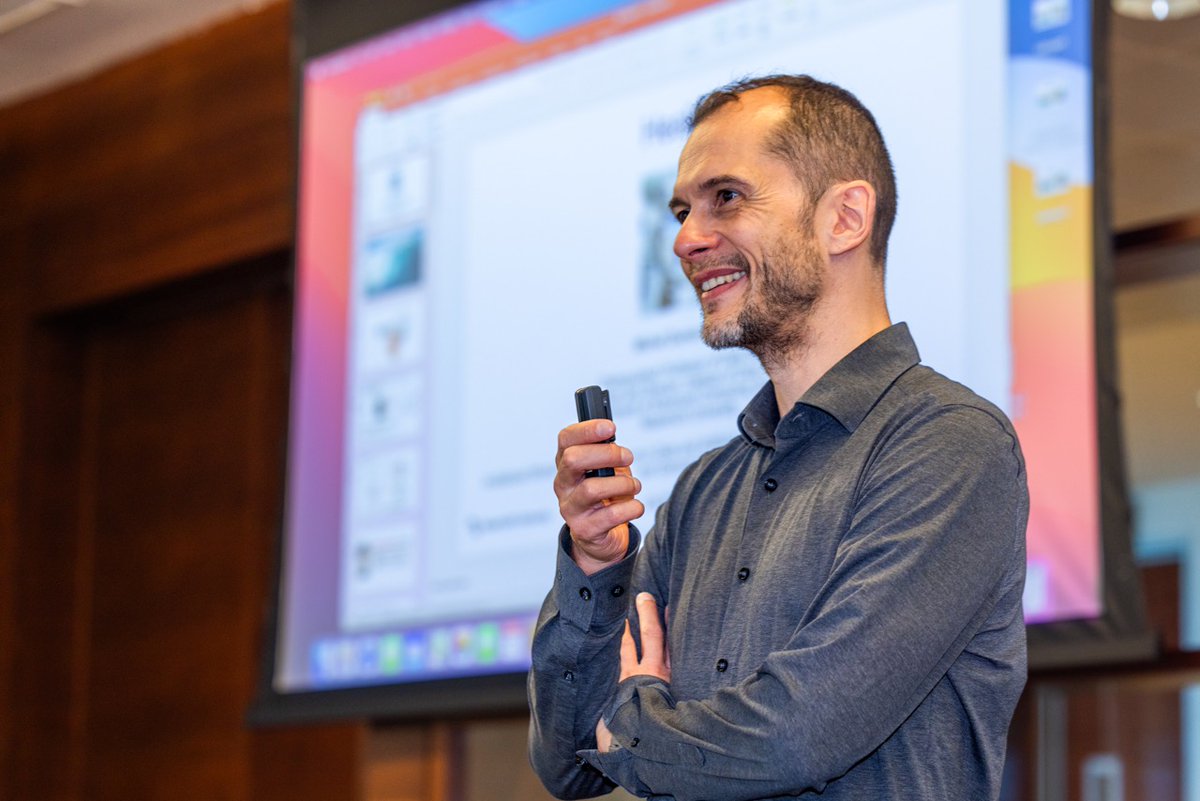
(844, 591)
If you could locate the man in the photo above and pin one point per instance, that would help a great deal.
(840, 584)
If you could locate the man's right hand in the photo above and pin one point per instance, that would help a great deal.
(597, 510)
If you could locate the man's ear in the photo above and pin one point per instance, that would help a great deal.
(847, 211)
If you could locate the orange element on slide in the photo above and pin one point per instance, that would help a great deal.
(1051, 232)
(1054, 384)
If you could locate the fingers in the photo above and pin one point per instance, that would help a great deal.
(596, 510)
(591, 522)
(581, 447)
(655, 660)
(592, 506)
(595, 491)
(597, 504)
(653, 646)
(666, 646)
(601, 537)
(603, 737)
(629, 659)
(588, 446)
(573, 462)
(585, 433)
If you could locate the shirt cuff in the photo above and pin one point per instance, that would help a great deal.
(598, 600)
(619, 763)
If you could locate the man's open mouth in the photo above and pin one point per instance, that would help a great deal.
(716, 281)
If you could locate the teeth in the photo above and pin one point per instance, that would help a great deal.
(713, 283)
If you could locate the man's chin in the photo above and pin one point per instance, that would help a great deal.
(720, 337)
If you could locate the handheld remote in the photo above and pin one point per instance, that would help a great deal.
(591, 403)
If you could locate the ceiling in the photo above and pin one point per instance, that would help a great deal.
(75, 38)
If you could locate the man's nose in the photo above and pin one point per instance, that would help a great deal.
(694, 238)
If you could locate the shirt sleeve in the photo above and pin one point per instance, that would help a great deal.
(575, 664)
(936, 540)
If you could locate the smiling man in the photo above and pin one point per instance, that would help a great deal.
(830, 604)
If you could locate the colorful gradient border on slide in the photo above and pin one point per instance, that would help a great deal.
(1053, 325)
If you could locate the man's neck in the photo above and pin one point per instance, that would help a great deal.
(832, 335)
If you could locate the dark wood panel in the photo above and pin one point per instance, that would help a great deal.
(143, 339)
(1140, 725)
(13, 326)
(317, 763)
(153, 480)
(188, 429)
(414, 762)
(1021, 760)
(42, 711)
(1158, 252)
(1161, 584)
(159, 168)
(179, 557)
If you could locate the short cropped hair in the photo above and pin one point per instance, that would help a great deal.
(828, 136)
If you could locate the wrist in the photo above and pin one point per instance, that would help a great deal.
(591, 563)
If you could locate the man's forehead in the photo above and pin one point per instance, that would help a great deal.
(756, 109)
(735, 131)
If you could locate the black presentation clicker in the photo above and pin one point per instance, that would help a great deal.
(591, 403)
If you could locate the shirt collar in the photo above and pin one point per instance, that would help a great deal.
(847, 392)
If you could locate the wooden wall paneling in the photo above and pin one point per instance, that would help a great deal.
(170, 657)
(1150, 718)
(321, 763)
(135, 549)
(495, 763)
(1138, 722)
(45, 735)
(414, 762)
(153, 468)
(187, 471)
(1157, 252)
(161, 167)
(13, 325)
(1021, 762)
(1161, 585)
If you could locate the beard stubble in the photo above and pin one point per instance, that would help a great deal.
(774, 318)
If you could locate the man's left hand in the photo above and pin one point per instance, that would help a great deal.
(655, 661)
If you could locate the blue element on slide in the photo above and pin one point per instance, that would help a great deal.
(1056, 29)
(529, 20)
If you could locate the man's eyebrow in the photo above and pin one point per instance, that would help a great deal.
(709, 184)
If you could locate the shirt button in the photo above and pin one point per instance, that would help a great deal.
(633, 743)
(568, 675)
(770, 485)
(618, 591)
(743, 574)
(722, 665)
(585, 593)
(578, 759)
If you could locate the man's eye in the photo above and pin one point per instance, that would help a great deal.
(681, 215)
(726, 195)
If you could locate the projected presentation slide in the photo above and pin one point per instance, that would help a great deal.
(484, 229)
